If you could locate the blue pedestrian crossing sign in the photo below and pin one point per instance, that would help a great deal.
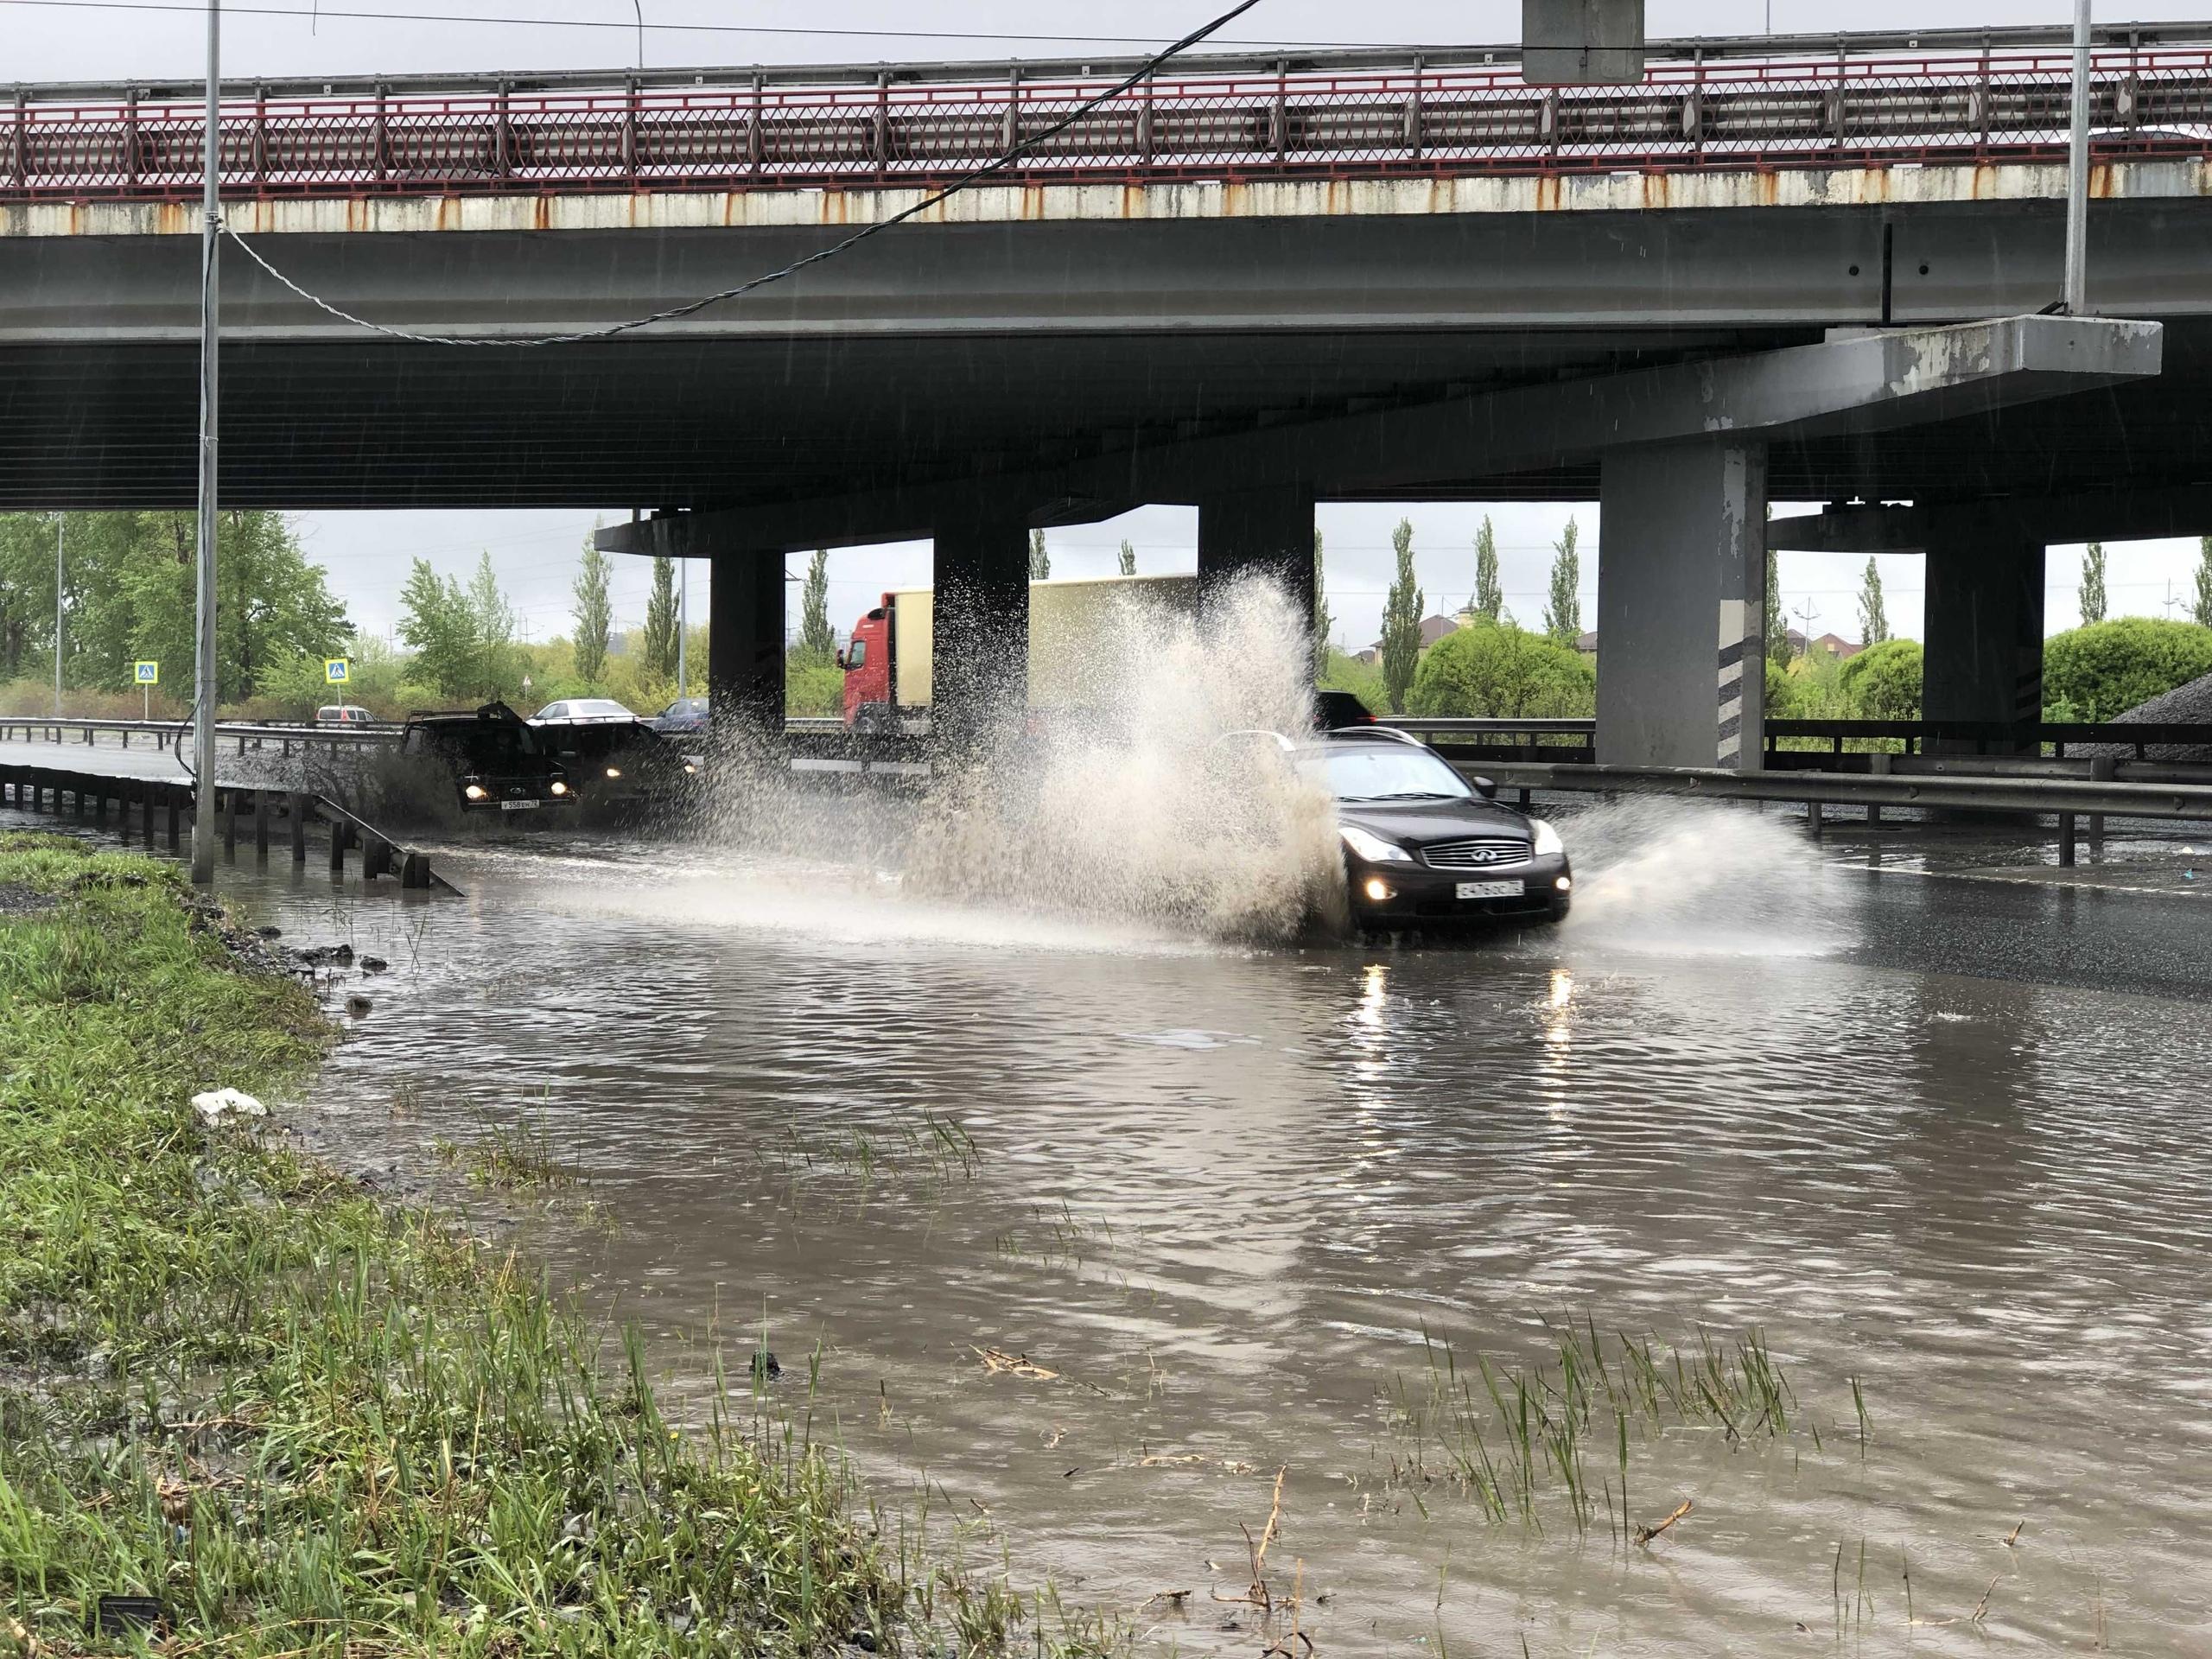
(148, 674)
(336, 670)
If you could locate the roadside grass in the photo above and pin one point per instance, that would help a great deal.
(308, 1422)
(1505, 1436)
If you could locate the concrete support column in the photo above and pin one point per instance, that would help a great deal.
(1270, 531)
(1681, 605)
(1267, 532)
(979, 625)
(745, 644)
(1984, 628)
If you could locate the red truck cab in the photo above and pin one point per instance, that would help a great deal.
(867, 662)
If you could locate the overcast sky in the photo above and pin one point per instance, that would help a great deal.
(535, 552)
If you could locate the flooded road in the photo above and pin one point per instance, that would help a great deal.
(1241, 1202)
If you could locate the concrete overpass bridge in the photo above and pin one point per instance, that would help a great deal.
(1762, 274)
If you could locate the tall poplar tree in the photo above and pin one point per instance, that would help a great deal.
(594, 612)
(1040, 562)
(662, 620)
(1874, 620)
(1129, 559)
(1489, 601)
(1563, 612)
(2201, 610)
(2093, 582)
(1402, 609)
(1323, 624)
(1777, 624)
(818, 641)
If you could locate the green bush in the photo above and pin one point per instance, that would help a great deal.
(1347, 673)
(2105, 669)
(1500, 670)
(1882, 682)
(815, 687)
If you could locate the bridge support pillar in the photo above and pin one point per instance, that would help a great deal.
(745, 645)
(1681, 605)
(979, 627)
(1268, 532)
(1985, 631)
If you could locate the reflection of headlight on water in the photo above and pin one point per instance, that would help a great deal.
(1548, 842)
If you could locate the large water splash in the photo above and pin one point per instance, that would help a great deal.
(1118, 807)
(1684, 877)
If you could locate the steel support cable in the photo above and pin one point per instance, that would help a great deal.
(997, 164)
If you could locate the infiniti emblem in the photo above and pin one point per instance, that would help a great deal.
(1486, 855)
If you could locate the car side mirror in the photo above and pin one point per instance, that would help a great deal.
(841, 657)
(1486, 788)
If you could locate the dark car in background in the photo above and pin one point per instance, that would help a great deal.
(497, 761)
(686, 716)
(611, 760)
(1423, 847)
(1333, 710)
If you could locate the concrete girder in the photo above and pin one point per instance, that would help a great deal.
(1856, 382)
(2135, 515)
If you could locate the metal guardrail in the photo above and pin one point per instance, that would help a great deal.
(2069, 799)
(1995, 737)
(37, 789)
(2064, 795)
(165, 733)
(1844, 101)
(1681, 49)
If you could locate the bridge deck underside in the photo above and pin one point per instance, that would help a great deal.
(944, 355)
(729, 423)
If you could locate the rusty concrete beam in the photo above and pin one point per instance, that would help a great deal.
(1858, 381)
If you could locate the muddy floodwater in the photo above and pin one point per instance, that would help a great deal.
(1254, 1209)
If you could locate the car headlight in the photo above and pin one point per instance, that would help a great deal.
(475, 792)
(614, 771)
(688, 768)
(1373, 848)
(1548, 845)
(560, 788)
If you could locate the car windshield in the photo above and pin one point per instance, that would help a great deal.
(1389, 772)
(483, 747)
(598, 708)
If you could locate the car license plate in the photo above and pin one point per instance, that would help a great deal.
(1490, 889)
(531, 806)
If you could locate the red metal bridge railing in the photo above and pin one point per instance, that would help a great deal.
(1806, 112)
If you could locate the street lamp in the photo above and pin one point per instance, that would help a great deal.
(203, 677)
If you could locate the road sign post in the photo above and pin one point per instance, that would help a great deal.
(337, 670)
(148, 675)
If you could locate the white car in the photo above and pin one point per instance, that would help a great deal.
(580, 708)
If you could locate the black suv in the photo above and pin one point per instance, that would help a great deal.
(498, 763)
(610, 761)
(1423, 847)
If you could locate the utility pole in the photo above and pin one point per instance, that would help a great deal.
(682, 628)
(2076, 298)
(203, 675)
(60, 529)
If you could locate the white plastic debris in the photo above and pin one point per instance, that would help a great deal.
(220, 1104)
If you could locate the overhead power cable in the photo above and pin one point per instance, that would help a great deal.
(690, 307)
(323, 13)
